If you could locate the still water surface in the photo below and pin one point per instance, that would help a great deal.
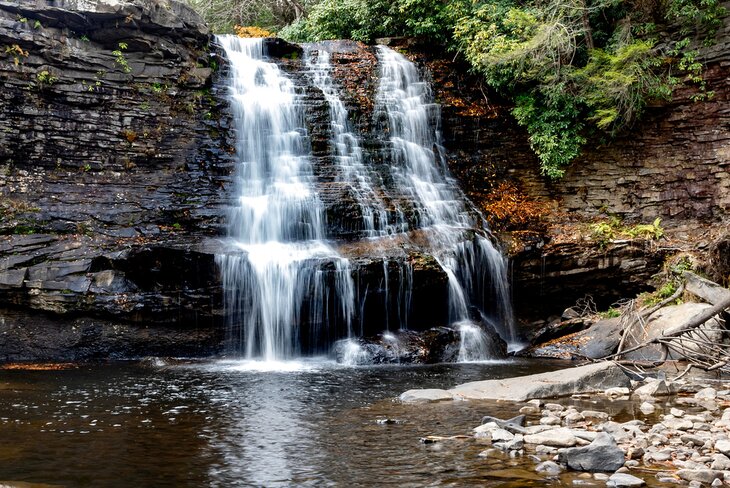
(242, 424)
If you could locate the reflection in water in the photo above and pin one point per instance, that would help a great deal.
(229, 424)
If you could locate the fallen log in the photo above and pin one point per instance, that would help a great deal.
(688, 326)
(707, 290)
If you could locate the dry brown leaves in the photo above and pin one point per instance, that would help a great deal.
(38, 366)
(252, 31)
(508, 208)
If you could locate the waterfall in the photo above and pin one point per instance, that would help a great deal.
(405, 106)
(287, 289)
(275, 271)
(347, 151)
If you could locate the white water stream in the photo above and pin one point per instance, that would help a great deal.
(277, 222)
(279, 271)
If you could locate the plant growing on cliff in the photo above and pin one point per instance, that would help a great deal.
(17, 53)
(120, 59)
(45, 78)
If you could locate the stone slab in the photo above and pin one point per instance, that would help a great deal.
(564, 382)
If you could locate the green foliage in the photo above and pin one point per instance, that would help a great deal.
(653, 231)
(555, 132)
(575, 69)
(364, 20)
(120, 59)
(605, 231)
(45, 78)
(158, 88)
(666, 290)
(586, 51)
(693, 13)
(17, 53)
(680, 265)
(617, 82)
(611, 313)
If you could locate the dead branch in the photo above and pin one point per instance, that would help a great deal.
(689, 326)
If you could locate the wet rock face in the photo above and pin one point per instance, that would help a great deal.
(113, 156)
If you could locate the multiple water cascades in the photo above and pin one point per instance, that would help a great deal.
(287, 289)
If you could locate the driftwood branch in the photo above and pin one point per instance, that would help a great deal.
(669, 340)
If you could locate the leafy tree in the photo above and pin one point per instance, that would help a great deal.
(572, 67)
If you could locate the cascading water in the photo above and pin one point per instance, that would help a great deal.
(346, 146)
(287, 289)
(353, 172)
(404, 104)
(276, 223)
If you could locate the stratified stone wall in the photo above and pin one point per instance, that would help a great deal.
(111, 169)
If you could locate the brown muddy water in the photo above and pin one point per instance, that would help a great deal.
(231, 423)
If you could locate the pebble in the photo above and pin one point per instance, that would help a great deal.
(720, 462)
(623, 480)
(706, 476)
(502, 435)
(573, 418)
(550, 420)
(554, 407)
(592, 414)
(530, 410)
(618, 391)
(693, 443)
(723, 445)
(674, 423)
(706, 394)
(647, 408)
(550, 468)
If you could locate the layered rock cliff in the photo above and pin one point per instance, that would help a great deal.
(113, 152)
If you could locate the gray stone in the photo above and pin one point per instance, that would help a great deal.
(529, 409)
(549, 468)
(550, 420)
(623, 480)
(617, 392)
(668, 320)
(600, 455)
(676, 424)
(700, 475)
(499, 435)
(560, 437)
(515, 424)
(592, 414)
(723, 445)
(589, 378)
(720, 462)
(706, 394)
(677, 412)
(426, 396)
(647, 408)
(652, 389)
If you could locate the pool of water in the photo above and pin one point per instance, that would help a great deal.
(229, 423)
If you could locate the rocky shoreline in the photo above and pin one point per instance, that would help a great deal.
(680, 433)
